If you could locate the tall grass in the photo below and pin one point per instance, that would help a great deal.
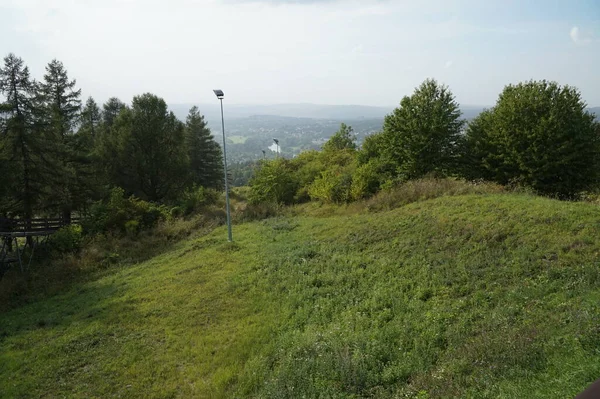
(426, 189)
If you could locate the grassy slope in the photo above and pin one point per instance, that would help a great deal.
(472, 296)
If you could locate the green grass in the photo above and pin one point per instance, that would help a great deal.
(473, 296)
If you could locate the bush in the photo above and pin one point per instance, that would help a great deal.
(333, 186)
(274, 182)
(123, 215)
(67, 239)
(369, 178)
(194, 199)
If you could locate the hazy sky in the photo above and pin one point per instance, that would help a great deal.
(285, 51)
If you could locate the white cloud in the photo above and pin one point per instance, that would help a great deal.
(580, 37)
(448, 64)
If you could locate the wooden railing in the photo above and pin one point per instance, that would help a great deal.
(37, 225)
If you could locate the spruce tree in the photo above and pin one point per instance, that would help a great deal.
(110, 110)
(21, 145)
(61, 112)
(91, 119)
(206, 158)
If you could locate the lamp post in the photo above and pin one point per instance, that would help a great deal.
(220, 95)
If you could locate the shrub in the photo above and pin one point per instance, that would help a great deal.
(274, 182)
(369, 178)
(123, 215)
(333, 186)
(196, 198)
(67, 239)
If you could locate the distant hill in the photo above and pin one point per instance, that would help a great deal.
(349, 113)
(212, 112)
(303, 113)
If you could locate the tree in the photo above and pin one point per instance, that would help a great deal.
(60, 114)
(20, 142)
(147, 151)
(91, 119)
(206, 159)
(540, 135)
(60, 99)
(343, 139)
(422, 135)
(111, 109)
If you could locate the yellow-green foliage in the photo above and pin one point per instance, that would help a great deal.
(333, 186)
(274, 181)
(369, 178)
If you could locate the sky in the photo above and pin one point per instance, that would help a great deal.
(369, 52)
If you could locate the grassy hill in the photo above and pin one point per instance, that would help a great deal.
(475, 296)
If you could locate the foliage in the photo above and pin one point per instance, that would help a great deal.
(67, 239)
(343, 139)
(539, 135)
(371, 148)
(204, 153)
(145, 150)
(274, 182)
(467, 297)
(24, 172)
(369, 178)
(422, 136)
(59, 111)
(111, 110)
(90, 120)
(333, 186)
(123, 215)
(196, 198)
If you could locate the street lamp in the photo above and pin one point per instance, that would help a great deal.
(277, 144)
(220, 95)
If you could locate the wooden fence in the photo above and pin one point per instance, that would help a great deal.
(33, 226)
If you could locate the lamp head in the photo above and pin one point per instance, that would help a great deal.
(219, 94)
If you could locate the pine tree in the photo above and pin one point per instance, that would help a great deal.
(206, 158)
(111, 109)
(91, 119)
(20, 142)
(61, 112)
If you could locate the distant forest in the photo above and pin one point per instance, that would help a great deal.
(59, 155)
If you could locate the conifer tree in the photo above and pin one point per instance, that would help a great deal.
(91, 119)
(21, 170)
(110, 110)
(61, 108)
(206, 158)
